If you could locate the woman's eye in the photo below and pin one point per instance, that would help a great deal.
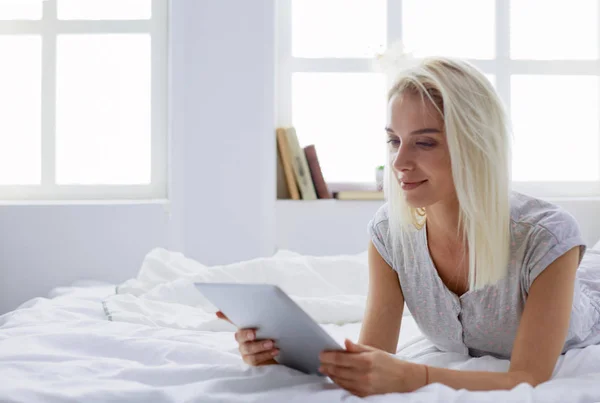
(395, 142)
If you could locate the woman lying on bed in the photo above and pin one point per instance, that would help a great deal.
(483, 270)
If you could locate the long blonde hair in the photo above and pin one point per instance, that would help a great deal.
(479, 137)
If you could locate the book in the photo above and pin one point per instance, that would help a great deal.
(284, 153)
(315, 172)
(301, 170)
(359, 195)
(282, 190)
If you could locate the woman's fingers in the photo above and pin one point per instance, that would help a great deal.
(347, 374)
(253, 352)
(256, 347)
(257, 359)
(244, 335)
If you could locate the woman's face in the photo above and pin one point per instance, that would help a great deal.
(420, 156)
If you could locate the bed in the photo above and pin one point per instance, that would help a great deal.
(154, 338)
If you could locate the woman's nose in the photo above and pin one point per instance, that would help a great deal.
(403, 160)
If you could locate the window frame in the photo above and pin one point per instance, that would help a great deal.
(502, 67)
(49, 27)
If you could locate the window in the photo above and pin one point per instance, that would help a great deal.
(83, 100)
(548, 77)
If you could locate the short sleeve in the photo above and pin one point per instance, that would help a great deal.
(378, 229)
(555, 234)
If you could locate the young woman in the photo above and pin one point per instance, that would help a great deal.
(483, 270)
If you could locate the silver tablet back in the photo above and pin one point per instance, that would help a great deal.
(276, 316)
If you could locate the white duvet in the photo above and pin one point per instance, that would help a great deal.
(163, 344)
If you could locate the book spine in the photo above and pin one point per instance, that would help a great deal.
(307, 189)
(316, 173)
(286, 160)
(282, 189)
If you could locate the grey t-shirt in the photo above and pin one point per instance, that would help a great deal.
(485, 322)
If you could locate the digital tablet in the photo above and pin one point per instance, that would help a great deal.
(275, 316)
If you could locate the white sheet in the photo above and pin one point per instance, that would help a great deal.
(330, 289)
(63, 349)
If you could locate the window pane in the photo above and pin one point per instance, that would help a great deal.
(448, 28)
(20, 9)
(563, 29)
(556, 136)
(20, 103)
(343, 114)
(104, 9)
(338, 28)
(103, 109)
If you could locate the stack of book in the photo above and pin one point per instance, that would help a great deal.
(299, 175)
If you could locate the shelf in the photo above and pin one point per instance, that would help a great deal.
(353, 195)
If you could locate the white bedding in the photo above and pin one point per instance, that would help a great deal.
(64, 349)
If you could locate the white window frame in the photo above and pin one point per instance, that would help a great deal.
(49, 27)
(501, 66)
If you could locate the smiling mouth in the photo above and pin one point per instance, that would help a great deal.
(411, 185)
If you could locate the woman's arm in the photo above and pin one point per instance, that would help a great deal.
(540, 338)
(385, 304)
(365, 370)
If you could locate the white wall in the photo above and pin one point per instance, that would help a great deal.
(222, 174)
(340, 226)
(51, 245)
(224, 112)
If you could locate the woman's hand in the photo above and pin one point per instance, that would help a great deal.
(364, 371)
(254, 352)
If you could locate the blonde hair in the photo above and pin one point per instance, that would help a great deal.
(478, 136)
